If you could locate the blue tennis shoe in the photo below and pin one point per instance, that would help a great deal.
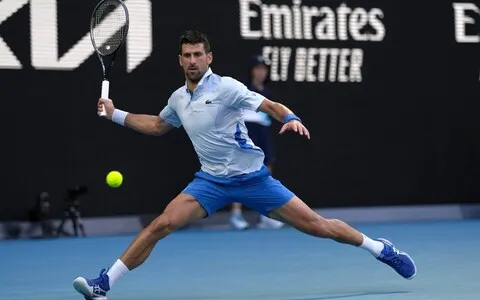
(93, 289)
(400, 261)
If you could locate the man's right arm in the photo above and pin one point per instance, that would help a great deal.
(146, 124)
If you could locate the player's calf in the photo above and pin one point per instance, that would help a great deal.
(331, 229)
(297, 214)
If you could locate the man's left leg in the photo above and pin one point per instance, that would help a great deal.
(297, 214)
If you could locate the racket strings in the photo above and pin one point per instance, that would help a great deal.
(110, 27)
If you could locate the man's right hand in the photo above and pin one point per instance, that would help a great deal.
(109, 108)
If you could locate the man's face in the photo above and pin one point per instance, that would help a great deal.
(194, 61)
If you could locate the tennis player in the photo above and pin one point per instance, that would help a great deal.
(210, 108)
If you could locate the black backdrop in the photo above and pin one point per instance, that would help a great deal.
(404, 132)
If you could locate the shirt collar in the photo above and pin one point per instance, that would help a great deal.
(208, 73)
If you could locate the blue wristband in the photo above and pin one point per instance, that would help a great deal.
(290, 117)
(119, 116)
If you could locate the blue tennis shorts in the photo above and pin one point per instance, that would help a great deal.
(258, 191)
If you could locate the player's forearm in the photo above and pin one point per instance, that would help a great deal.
(277, 111)
(146, 124)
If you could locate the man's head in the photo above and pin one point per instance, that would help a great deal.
(195, 56)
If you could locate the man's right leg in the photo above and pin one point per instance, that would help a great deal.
(180, 211)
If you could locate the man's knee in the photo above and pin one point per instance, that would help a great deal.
(163, 225)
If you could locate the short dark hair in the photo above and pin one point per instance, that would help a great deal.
(194, 37)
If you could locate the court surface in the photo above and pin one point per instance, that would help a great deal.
(256, 264)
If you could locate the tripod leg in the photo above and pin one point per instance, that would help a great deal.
(82, 229)
(74, 224)
(79, 223)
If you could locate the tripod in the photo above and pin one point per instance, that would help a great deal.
(73, 214)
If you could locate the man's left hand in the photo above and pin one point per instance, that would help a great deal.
(295, 126)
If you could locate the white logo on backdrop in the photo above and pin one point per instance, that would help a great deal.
(272, 22)
(44, 36)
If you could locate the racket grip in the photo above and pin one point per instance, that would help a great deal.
(105, 93)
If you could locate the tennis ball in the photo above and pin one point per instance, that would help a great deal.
(114, 179)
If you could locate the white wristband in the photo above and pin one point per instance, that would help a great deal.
(119, 116)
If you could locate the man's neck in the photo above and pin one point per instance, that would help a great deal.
(191, 85)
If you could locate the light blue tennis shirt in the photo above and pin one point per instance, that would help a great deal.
(212, 116)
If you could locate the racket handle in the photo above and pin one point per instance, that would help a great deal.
(105, 93)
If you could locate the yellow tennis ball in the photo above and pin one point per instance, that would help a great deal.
(114, 179)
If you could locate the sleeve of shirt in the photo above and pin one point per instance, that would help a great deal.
(239, 96)
(169, 115)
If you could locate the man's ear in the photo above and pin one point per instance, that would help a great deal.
(209, 57)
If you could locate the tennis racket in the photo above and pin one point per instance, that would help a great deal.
(108, 31)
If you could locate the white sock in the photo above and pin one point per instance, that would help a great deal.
(116, 272)
(374, 247)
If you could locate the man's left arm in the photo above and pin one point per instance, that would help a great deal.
(241, 97)
(284, 115)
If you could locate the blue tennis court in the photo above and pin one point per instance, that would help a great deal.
(257, 264)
